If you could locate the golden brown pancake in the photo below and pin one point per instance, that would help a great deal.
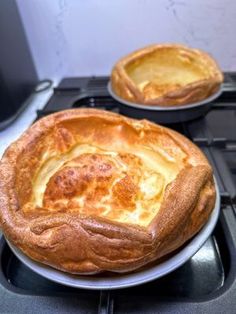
(87, 191)
(166, 75)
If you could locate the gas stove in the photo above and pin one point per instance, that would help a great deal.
(205, 284)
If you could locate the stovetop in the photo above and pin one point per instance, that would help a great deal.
(205, 284)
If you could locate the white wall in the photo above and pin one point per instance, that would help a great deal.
(85, 37)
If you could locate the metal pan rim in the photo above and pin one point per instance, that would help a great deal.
(160, 108)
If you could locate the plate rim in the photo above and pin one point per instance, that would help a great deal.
(131, 279)
(162, 108)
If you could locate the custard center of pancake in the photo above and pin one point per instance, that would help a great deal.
(117, 187)
(163, 71)
(120, 186)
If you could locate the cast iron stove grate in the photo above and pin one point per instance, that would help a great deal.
(206, 283)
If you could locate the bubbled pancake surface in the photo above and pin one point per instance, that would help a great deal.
(123, 185)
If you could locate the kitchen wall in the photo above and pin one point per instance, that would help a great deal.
(77, 37)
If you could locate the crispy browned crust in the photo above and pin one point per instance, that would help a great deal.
(87, 245)
(125, 88)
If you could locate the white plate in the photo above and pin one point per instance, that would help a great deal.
(163, 108)
(119, 281)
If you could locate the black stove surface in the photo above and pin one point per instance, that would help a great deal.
(205, 284)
